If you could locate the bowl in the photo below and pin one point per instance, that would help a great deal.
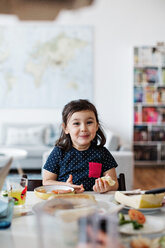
(45, 192)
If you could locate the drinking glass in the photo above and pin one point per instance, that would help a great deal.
(17, 188)
(57, 221)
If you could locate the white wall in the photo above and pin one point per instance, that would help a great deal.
(119, 25)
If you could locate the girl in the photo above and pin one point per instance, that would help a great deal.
(79, 157)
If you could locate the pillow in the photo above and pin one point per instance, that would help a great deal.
(52, 134)
(112, 141)
(25, 136)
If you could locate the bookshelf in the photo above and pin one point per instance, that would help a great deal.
(149, 105)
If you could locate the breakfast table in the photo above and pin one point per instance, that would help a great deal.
(24, 230)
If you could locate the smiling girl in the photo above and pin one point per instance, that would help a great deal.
(79, 158)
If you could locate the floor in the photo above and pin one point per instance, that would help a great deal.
(148, 178)
(34, 175)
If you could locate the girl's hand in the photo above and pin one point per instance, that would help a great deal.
(77, 188)
(101, 186)
(80, 188)
(70, 179)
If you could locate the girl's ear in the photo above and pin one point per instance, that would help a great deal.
(64, 128)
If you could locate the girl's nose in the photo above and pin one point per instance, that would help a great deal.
(83, 127)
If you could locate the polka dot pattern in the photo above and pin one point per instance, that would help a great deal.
(77, 163)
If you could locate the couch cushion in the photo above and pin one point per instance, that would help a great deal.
(26, 134)
(112, 141)
(33, 151)
(22, 136)
(30, 134)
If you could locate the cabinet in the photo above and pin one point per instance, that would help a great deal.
(149, 105)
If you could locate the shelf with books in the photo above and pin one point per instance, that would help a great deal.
(145, 153)
(149, 105)
(149, 134)
(149, 114)
(146, 143)
(143, 75)
(152, 95)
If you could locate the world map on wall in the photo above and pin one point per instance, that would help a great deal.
(44, 66)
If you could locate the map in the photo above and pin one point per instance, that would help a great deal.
(45, 66)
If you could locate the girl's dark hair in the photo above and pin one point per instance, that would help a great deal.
(64, 141)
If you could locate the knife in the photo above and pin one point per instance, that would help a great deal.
(155, 191)
(142, 192)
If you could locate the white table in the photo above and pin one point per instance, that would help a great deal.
(12, 152)
(16, 154)
(23, 232)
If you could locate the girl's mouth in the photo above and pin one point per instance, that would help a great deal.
(84, 136)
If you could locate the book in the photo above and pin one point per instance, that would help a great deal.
(157, 133)
(161, 112)
(152, 74)
(140, 133)
(136, 55)
(161, 95)
(145, 55)
(137, 115)
(150, 114)
(138, 94)
(145, 153)
(149, 94)
(162, 152)
(148, 56)
(163, 75)
(138, 75)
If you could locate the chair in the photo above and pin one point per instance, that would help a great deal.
(33, 183)
(121, 181)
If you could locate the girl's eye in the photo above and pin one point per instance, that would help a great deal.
(76, 123)
(89, 122)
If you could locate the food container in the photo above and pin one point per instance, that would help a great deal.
(58, 220)
(44, 192)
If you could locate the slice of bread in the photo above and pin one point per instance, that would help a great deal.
(109, 180)
(73, 196)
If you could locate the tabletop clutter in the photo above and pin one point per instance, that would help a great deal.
(115, 219)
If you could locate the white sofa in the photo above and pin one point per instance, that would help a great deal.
(38, 140)
(35, 139)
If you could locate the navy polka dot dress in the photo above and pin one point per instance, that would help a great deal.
(78, 163)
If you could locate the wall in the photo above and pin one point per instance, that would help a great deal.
(119, 25)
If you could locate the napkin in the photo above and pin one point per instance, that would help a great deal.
(6, 213)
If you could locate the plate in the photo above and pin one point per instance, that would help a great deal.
(44, 192)
(153, 224)
(68, 209)
(146, 210)
(143, 210)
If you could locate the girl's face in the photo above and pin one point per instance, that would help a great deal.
(82, 127)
